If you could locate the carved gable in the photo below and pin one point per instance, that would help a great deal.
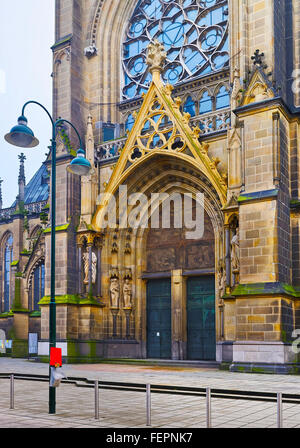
(161, 128)
(258, 89)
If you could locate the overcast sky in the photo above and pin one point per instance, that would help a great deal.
(26, 35)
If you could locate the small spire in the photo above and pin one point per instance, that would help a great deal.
(1, 180)
(90, 119)
(89, 139)
(21, 178)
(22, 159)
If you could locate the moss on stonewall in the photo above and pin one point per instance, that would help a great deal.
(7, 314)
(57, 228)
(70, 299)
(266, 289)
(35, 314)
(17, 299)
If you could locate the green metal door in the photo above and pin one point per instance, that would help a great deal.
(159, 318)
(201, 331)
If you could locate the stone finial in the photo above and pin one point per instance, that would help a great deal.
(258, 59)
(89, 139)
(156, 56)
(89, 126)
(1, 180)
(22, 159)
(236, 73)
(21, 179)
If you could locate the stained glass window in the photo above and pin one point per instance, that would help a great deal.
(129, 122)
(193, 32)
(8, 259)
(190, 106)
(222, 98)
(205, 104)
(38, 286)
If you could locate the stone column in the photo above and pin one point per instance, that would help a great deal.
(242, 128)
(26, 299)
(227, 259)
(79, 251)
(99, 273)
(127, 314)
(276, 149)
(114, 313)
(178, 315)
(90, 249)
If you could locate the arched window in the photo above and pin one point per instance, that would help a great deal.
(222, 98)
(194, 34)
(190, 106)
(8, 259)
(205, 104)
(37, 289)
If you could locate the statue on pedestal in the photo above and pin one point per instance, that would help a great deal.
(235, 252)
(114, 292)
(86, 260)
(221, 279)
(127, 293)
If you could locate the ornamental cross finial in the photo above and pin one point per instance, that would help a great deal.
(22, 158)
(156, 56)
(258, 58)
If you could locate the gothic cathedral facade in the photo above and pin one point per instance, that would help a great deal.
(176, 99)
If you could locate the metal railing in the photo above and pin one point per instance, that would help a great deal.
(150, 389)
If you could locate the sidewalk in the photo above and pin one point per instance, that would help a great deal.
(120, 409)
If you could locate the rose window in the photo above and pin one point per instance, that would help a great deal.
(194, 34)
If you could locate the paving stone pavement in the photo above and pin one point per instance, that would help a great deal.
(125, 409)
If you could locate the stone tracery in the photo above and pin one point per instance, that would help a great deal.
(194, 34)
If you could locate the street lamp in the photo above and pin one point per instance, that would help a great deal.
(22, 136)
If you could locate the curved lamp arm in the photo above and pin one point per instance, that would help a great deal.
(39, 104)
(54, 124)
(62, 120)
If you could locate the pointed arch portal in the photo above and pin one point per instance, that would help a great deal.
(174, 279)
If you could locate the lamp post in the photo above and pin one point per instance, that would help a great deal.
(22, 136)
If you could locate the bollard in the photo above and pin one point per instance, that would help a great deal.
(148, 404)
(279, 410)
(12, 391)
(97, 400)
(208, 408)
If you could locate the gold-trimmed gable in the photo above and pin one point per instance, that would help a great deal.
(161, 128)
(259, 89)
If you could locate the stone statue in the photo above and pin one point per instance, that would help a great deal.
(235, 252)
(221, 280)
(156, 56)
(94, 268)
(86, 267)
(127, 293)
(114, 292)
